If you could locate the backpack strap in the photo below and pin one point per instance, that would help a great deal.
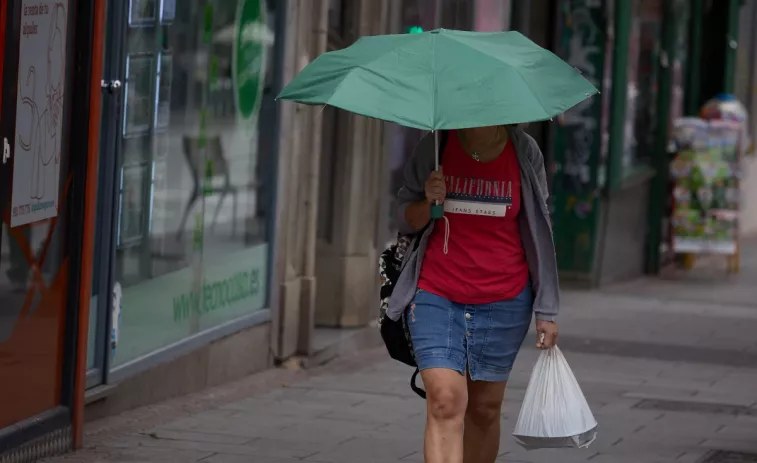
(415, 387)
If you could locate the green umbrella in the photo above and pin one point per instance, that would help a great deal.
(443, 80)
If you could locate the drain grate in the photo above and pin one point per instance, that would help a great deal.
(695, 407)
(721, 456)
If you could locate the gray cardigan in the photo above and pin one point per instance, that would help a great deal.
(535, 226)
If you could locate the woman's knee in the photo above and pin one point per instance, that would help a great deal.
(447, 401)
(483, 411)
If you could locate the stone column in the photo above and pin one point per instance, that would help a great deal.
(296, 208)
(347, 264)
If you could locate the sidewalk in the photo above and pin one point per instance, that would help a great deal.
(670, 376)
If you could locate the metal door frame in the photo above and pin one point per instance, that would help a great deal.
(107, 187)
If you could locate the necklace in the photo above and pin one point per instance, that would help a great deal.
(476, 155)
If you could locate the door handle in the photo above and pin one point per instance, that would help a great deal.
(6, 150)
(112, 86)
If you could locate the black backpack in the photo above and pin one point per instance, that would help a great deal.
(396, 334)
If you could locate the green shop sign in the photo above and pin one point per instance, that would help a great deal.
(160, 311)
(251, 40)
(217, 294)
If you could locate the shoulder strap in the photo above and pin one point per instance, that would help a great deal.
(443, 136)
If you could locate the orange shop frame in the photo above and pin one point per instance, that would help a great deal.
(45, 267)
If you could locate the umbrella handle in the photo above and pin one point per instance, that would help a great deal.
(437, 210)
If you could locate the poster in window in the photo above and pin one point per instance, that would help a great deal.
(131, 205)
(142, 12)
(37, 142)
(138, 95)
(163, 98)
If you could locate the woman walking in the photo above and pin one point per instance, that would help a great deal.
(476, 279)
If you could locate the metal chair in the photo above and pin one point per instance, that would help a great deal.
(214, 152)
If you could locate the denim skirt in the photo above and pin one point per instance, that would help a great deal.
(483, 339)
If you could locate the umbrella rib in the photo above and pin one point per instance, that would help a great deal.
(514, 68)
(483, 52)
(348, 73)
(433, 80)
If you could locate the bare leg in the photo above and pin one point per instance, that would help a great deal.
(446, 401)
(482, 421)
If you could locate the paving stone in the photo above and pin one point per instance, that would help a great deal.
(225, 458)
(251, 449)
(368, 450)
(246, 425)
(415, 456)
(288, 446)
(514, 453)
(214, 438)
(144, 454)
(737, 445)
(320, 431)
(284, 408)
(736, 432)
(612, 458)
(696, 397)
(371, 415)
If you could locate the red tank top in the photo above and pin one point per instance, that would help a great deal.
(485, 261)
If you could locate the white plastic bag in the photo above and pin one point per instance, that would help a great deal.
(554, 413)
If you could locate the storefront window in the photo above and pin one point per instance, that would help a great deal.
(643, 83)
(194, 187)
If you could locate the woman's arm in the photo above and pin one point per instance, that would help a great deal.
(418, 214)
(413, 208)
(547, 330)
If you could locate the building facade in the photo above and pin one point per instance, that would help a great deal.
(654, 61)
(161, 230)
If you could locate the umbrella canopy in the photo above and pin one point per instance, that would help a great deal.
(442, 80)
